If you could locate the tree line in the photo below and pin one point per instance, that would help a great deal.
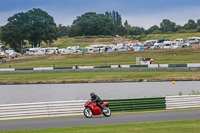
(98, 24)
(36, 26)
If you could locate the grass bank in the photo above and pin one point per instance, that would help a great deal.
(80, 77)
(171, 36)
(98, 59)
(64, 42)
(187, 126)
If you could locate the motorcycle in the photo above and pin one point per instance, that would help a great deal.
(92, 109)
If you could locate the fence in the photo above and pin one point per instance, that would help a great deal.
(140, 104)
(152, 67)
(36, 110)
(186, 101)
(71, 108)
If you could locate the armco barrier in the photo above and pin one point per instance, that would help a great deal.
(185, 101)
(43, 109)
(43, 68)
(193, 65)
(138, 65)
(62, 68)
(140, 104)
(102, 66)
(7, 69)
(21, 69)
(177, 65)
(70, 108)
(120, 66)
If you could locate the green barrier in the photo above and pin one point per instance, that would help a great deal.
(122, 105)
(138, 65)
(177, 65)
(21, 69)
(102, 66)
(62, 68)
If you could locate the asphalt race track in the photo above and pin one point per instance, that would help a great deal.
(99, 120)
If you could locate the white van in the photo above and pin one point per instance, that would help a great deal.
(179, 41)
(192, 40)
(150, 42)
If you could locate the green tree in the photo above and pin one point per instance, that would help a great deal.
(117, 21)
(167, 26)
(62, 30)
(152, 29)
(192, 24)
(42, 27)
(115, 16)
(198, 23)
(91, 24)
(35, 26)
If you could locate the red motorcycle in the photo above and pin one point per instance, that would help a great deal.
(92, 109)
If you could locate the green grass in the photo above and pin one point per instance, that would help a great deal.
(187, 126)
(171, 36)
(64, 42)
(75, 77)
(182, 56)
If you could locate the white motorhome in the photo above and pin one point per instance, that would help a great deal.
(72, 48)
(36, 51)
(192, 40)
(171, 45)
(159, 44)
(98, 48)
(150, 42)
(51, 50)
(65, 51)
(179, 41)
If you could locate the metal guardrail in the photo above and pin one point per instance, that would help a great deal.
(140, 104)
(71, 108)
(150, 67)
(43, 109)
(185, 101)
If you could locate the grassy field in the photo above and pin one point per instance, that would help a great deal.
(97, 59)
(188, 126)
(76, 77)
(66, 41)
(171, 36)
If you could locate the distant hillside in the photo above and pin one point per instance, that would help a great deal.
(172, 36)
(66, 41)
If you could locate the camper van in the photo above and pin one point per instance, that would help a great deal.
(72, 48)
(150, 42)
(36, 51)
(179, 41)
(192, 40)
(51, 50)
(98, 48)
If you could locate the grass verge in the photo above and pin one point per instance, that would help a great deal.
(187, 126)
(113, 76)
(182, 56)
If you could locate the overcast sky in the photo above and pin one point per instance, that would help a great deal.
(143, 13)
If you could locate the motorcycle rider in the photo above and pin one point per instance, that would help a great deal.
(95, 98)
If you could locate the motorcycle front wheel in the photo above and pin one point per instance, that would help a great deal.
(87, 113)
(106, 112)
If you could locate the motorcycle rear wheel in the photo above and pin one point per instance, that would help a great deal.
(87, 113)
(106, 112)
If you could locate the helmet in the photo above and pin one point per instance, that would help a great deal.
(92, 94)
